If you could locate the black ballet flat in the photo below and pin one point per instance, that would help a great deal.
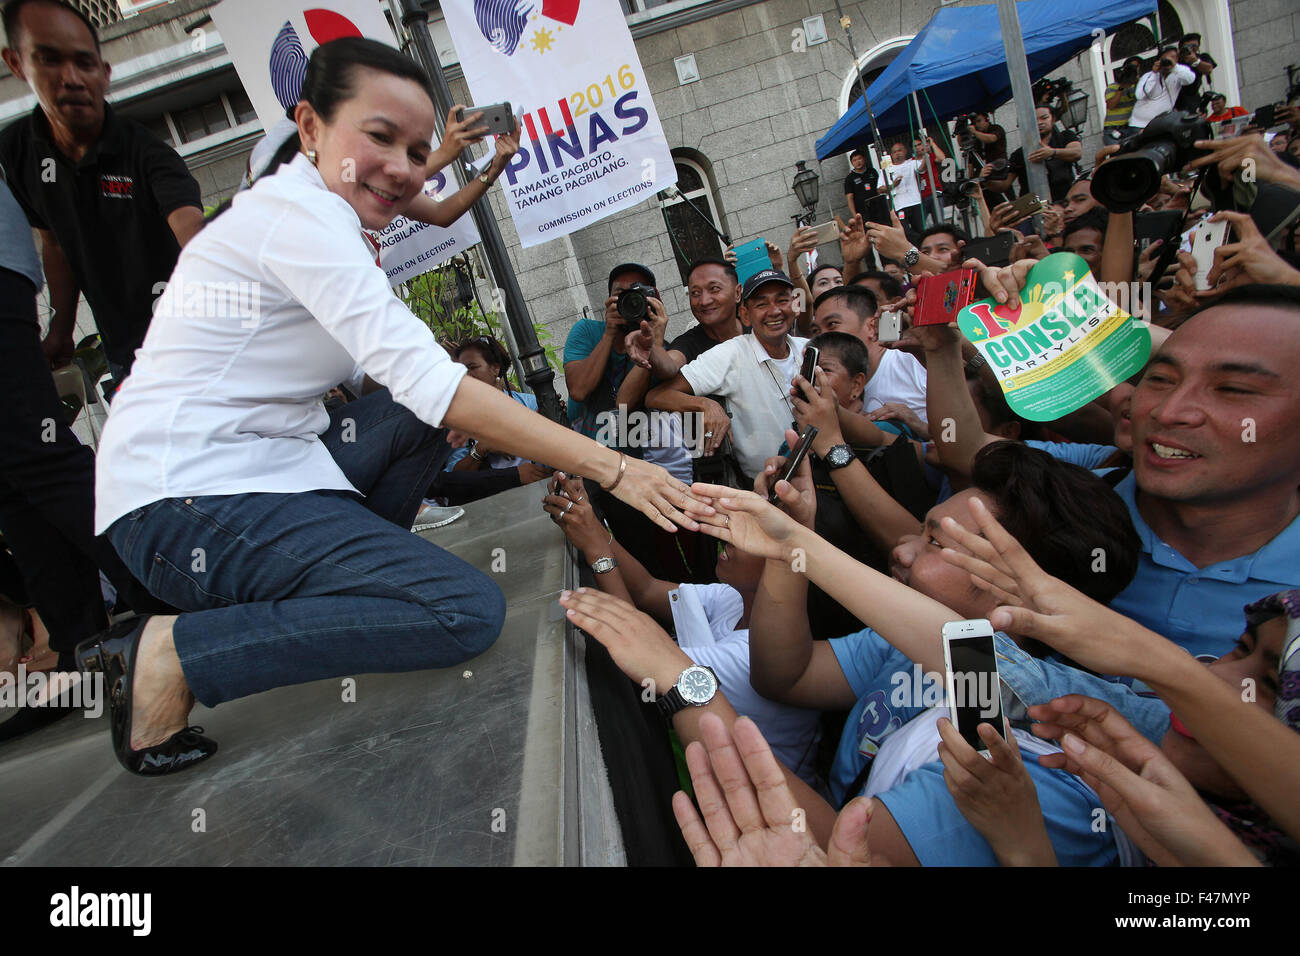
(112, 653)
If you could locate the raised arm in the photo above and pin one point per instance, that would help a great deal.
(954, 419)
(570, 508)
(874, 509)
(907, 619)
(679, 396)
(649, 657)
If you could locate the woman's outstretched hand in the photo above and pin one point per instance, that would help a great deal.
(746, 520)
(659, 496)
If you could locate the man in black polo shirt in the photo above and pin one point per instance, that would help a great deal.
(1058, 152)
(113, 203)
(862, 184)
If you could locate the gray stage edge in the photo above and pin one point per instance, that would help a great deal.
(495, 762)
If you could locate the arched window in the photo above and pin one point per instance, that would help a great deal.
(689, 234)
(1136, 39)
(870, 65)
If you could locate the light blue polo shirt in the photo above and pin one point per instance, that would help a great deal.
(921, 805)
(1200, 608)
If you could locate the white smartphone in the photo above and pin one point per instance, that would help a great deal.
(974, 688)
(890, 327)
(1205, 238)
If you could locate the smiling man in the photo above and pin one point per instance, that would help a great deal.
(1216, 467)
(113, 204)
(751, 372)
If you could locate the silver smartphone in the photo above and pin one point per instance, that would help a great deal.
(974, 687)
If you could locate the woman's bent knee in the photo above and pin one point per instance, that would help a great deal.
(473, 619)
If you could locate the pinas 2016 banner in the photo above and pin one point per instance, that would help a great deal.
(590, 144)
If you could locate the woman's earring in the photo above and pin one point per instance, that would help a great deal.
(311, 156)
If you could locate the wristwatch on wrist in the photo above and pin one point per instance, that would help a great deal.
(696, 686)
(486, 178)
(839, 456)
(604, 565)
(911, 257)
(473, 452)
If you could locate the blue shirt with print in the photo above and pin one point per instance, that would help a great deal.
(883, 679)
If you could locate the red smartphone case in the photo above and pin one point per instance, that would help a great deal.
(939, 298)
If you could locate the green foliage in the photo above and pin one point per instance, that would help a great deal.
(432, 298)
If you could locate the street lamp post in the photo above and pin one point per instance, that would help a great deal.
(807, 188)
(537, 371)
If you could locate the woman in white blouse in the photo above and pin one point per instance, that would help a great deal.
(280, 529)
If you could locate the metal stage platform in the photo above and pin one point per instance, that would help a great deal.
(495, 762)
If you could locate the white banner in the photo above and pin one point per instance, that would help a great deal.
(591, 142)
(408, 249)
(269, 42)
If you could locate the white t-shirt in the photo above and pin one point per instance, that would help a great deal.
(907, 191)
(757, 389)
(705, 618)
(1157, 94)
(270, 306)
(899, 378)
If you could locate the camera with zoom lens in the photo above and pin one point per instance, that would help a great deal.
(1132, 176)
(632, 305)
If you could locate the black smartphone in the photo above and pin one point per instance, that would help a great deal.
(808, 370)
(877, 210)
(1265, 116)
(1275, 208)
(1150, 226)
(992, 251)
(498, 117)
(793, 462)
(1166, 224)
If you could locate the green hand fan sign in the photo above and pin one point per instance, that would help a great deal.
(1061, 344)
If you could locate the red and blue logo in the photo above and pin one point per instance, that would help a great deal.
(288, 63)
(502, 22)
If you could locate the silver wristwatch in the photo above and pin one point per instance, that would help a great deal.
(911, 257)
(695, 687)
(840, 456)
(604, 565)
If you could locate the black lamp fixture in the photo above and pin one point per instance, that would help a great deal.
(1075, 113)
(807, 187)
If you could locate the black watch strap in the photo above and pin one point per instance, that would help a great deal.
(671, 702)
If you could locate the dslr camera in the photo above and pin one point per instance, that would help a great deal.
(631, 303)
(1132, 176)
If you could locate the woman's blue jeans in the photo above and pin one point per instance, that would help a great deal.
(286, 588)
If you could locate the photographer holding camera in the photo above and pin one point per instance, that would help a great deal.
(1120, 98)
(1201, 65)
(990, 139)
(595, 354)
(1158, 90)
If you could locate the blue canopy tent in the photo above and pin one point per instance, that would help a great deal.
(957, 62)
